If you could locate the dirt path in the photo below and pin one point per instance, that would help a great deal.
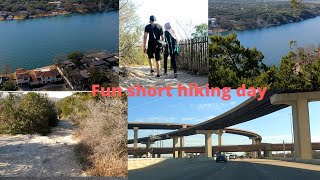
(141, 75)
(44, 156)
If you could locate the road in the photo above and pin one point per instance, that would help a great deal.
(239, 169)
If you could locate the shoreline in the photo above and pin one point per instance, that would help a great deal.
(63, 13)
(261, 27)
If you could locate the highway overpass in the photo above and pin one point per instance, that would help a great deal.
(250, 110)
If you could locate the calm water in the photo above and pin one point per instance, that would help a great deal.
(35, 43)
(274, 41)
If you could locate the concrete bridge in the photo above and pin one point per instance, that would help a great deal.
(266, 148)
(247, 111)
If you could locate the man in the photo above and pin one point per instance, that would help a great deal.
(155, 32)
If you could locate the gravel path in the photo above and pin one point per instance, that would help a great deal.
(141, 75)
(40, 156)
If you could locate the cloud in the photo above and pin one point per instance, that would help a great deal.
(156, 119)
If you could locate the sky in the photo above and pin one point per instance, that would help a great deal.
(274, 128)
(173, 11)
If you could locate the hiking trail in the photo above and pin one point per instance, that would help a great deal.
(40, 156)
(141, 75)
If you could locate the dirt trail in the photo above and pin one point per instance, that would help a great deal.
(40, 156)
(141, 75)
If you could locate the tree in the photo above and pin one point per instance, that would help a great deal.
(201, 31)
(231, 63)
(76, 57)
(9, 85)
(27, 113)
(130, 31)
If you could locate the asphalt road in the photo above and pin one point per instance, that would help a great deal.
(239, 169)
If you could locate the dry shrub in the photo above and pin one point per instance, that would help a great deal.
(104, 132)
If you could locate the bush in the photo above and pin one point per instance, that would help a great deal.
(29, 113)
(102, 131)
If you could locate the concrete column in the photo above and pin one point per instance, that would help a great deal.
(182, 153)
(148, 145)
(135, 140)
(159, 155)
(153, 155)
(267, 153)
(175, 144)
(300, 118)
(220, 132)
(208, 145)
(301, 129)
(208, 141)
(258, 141)
(253, 154)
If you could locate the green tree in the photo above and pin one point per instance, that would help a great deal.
(231, 63)
(76, 57)
(9, 85)
(130, 31)
(200, 31)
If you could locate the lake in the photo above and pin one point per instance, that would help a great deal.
(36, 42)
(274, 41)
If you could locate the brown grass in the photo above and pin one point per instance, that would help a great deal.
(103, 134)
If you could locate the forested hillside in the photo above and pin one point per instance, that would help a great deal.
(249, 14)
(36, 7)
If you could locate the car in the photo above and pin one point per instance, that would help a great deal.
(233, 156)
(221, 157)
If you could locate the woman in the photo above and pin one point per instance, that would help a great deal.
(171, 49)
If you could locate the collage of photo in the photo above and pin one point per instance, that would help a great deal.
(223, 89)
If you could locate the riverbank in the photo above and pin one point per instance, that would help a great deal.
(229, 15)
(51, 14)
(240, 28)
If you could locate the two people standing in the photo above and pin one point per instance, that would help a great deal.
(159, 42)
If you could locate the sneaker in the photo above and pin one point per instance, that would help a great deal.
(151, 71)
(175, 75)
(158, 75)
(166, 74)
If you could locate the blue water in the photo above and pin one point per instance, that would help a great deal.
(36, 42)
(274, 41)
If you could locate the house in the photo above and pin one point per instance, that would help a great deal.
(98, 63)
(57, 3)
(68, 64)
(213, 22)
(101, 55)
(37, 77)
(22, 77)
(113, 61)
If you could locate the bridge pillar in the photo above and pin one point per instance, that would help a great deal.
(175, 145)
(208, 141)
(258, 141)
(148, 146)
(220, 132)
(135, 140)
(182, 153)
(267, 153)
(208, 145)
(153, 155)
(300, 118)
(253, 154)
(159, 155)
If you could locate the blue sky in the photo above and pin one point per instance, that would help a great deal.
(274, 128)
(192, 13)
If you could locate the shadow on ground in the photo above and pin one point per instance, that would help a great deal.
(190, 169)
